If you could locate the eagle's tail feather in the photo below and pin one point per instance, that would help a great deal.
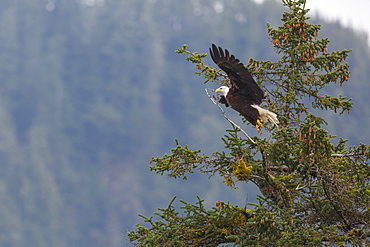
(273, 119)
(266, 114)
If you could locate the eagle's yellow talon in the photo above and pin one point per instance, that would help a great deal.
(259, 125)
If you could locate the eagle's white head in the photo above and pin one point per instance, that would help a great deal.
(223, 90)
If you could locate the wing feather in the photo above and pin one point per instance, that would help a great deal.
(242, 82)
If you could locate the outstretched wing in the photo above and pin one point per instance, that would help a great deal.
(241, 80)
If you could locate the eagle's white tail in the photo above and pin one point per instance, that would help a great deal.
(266, 114)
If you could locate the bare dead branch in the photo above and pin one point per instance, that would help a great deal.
(347, 155)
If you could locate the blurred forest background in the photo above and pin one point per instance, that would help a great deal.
(91, 89)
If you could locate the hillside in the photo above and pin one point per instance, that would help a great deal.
(90, 90)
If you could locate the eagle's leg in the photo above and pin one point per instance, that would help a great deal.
(259, 125)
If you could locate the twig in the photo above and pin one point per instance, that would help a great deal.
(228, 119)
(300, 187)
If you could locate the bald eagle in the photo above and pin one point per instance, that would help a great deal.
(244, 95)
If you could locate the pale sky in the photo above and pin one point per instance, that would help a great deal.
(351, 13)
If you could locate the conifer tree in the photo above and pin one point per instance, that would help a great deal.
(313, 192)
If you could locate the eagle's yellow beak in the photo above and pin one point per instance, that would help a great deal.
(218, 90)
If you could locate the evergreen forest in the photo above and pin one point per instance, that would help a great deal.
(91, 89)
